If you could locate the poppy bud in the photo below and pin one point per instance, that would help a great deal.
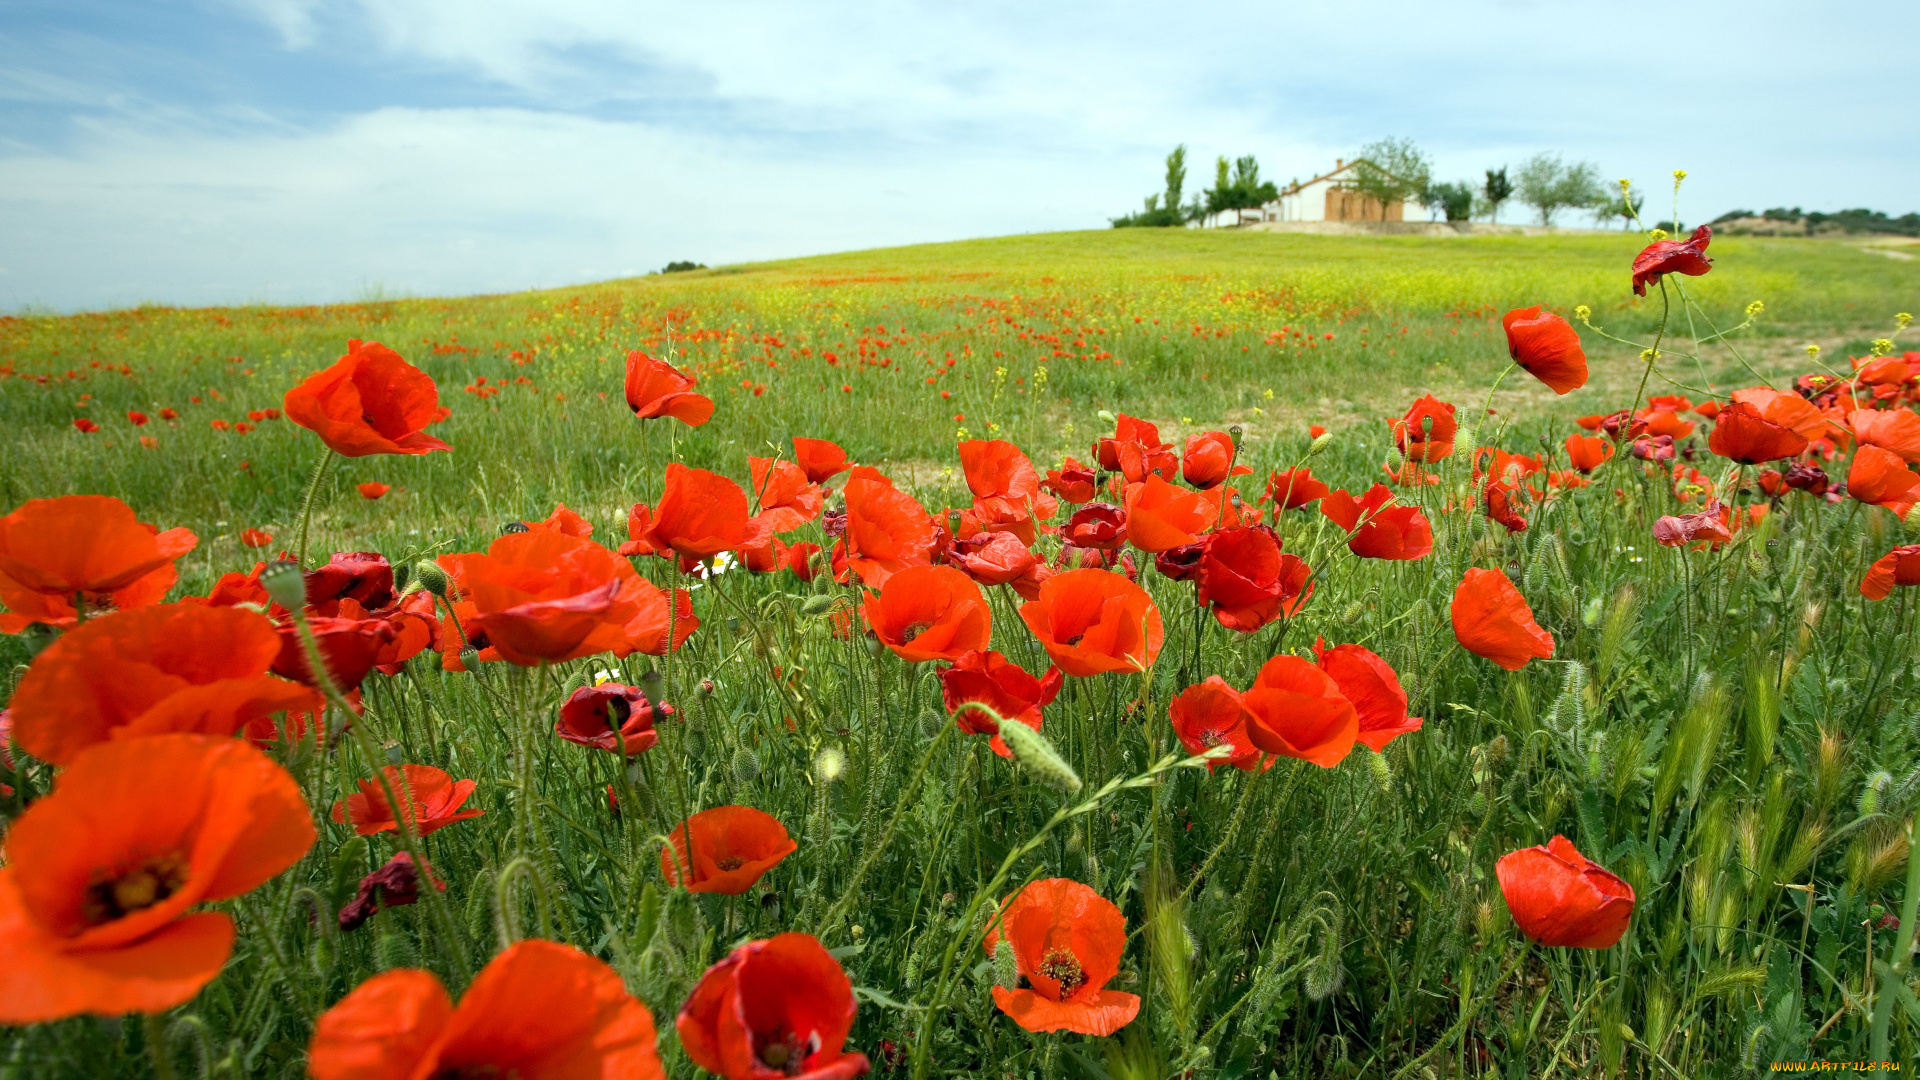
(816, 605)
(931, 721)
(285, 584)
(1006, 970)
(400, 577)
(1034, 751)
(1107, 416)
(1382, 772)
(696, 743)
(876, 648)
(746, 766)
(431, 577)
(651, 682)
(512, 527)
(1353, 613)
(830, 763)
(1320, 443)
(576, 681)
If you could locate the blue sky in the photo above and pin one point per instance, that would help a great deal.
(224, 151)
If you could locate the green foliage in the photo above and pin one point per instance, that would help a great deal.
(1392, 170)
(1163, 210)
(1454, 199)
(1551, 185)
(1497, 190)
(1242, 190)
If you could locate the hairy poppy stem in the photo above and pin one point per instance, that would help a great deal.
(1893, 975)
(306, 504)
(850, 890)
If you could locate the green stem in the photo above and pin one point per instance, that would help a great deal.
(306, 505)
(155, 1025)
(1893, 976)
(848, 891)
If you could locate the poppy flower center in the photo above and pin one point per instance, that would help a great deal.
(476, 1072)
(142, 887)
(914, 630)
(1214, 737)
(1064, 968)
(731, 863)
(788, 1052)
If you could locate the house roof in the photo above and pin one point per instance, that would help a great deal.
(1339, 167)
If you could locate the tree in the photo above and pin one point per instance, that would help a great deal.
(1240, 189)
(1549, 185)
(1155, 214)
(1455, 199)
(1176, 176)
(1497, 190)
(1623, 203)
(1390, 171)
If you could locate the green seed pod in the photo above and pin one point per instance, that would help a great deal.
(696, 743)
(746, 765)
(1382, 772)
(1006, 970)
(393, 950)
(931, 721)
(1319, 444)
(1036, 754)
(431, 577)
(470, 658)
(822, 580)
(817, 605)
(1353, 613)
(402, 574)
(285, 584)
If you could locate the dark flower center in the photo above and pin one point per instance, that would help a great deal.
(1062, 967)
(787, 1051)
(142, 887)
(731, 862)
(914, 630)
(476, 1072)
(1214, 737)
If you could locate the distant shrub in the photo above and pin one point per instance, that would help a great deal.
(1455, 199)
(679, 266)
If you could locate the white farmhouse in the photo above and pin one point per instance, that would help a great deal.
(1330, 197)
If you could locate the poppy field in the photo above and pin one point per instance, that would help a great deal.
(1096, 655)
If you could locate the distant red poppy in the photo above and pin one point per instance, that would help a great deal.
(1314, 431)
(1001, 685)
(1425, 434)
(1547, 347)
(432, 799)
(787, 498)
(1290, 489)
(136, 418)
(1811, 479)
(592, 715)
(1901, 566)
(543, 595)
(1372, 686)
(1135, 450)
(1708, 409)
(733, 847)
(1498, 497)
(1249, 581)
(1072, 481)
(1672, 257)
(1296, 710)
(775, 1008)
(1097, 526)
(1707, 526)
(89, 544)
(819, 459)
(85, 426)
(1208, 457)
(100, 876)
(992, 558)
(1209, 714)
(538, 1009)
(255, 538)
(1878, 477)
(1897, 430)
(1067, 941)
(700, 515)
(1588, 452)
(169, 414)
(1560, 897)
(350, 647)
(1380, 529)
(176, 668)
(1491, 619)
(886, 529)
(373, 489)
(797, 558)
(656, 388)
(1162, 516)
(929, 613)
(369, 402)
(1094, 621)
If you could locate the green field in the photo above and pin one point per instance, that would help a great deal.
(1734, 732)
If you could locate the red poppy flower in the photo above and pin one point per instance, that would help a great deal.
(992, 558)
(369, 402)
(544, 595)
(656, 388)
(787, 498)
(1588, 452)
(1096, 526)
(646, 632)
(819, 459)
(397, 884)
(886, 529)
(1667, 422)
(350, 646)
(85, 426)
(1374, 689)
(99, 876)
(798, 558)
(773, 1009)
(1708, 409)
(1182, 563)
(733, 846)
(1901, 566)
(88, 544)
(1209, 455)
(416, 628)
(1248, 581)
(1290, 489)
(1811, 479)
(1379, 529)
(1135, 450)
(1762, 424)
(1006, 488)
(1067, 941)
(1547, 347)
(1092, 621)
(1426, 433)
(1499, 502)
(1687, 257)
(700, 515)
(591, 716)
(929, 613)
(1161, 516)
(26, 607)
(1491, 619)
(1209, 714)
(373, 489)
(539, 1009)
(150, 671)
(1562, 898)
(1897, 430)
(1001, 685)
(1072, 481)
(136, 418)
(1880, 478)
(1708, 526)
(1296, 710)
(362, 576)
(432, 799)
